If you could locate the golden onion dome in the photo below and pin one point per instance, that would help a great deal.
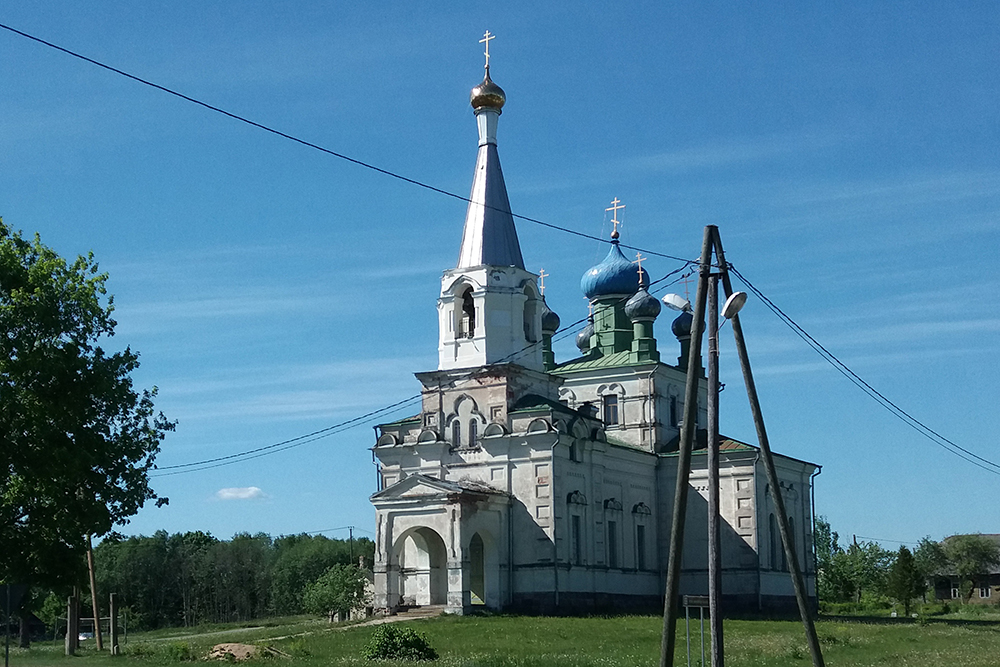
(487, 95)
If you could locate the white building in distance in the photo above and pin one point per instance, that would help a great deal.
(526, 484)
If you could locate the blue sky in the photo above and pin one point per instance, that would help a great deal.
(848, 152)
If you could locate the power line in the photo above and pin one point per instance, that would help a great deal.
(309, 144)
(284, 445)
(911, 421)
(878, 396)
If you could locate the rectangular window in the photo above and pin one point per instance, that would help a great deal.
(984, 591)
(612, 544)
(611, 410)
(955, 593)
(456, 433)
(673, 411)
(577, 541)
(640, 547)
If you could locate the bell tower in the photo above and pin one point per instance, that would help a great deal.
(490, 308)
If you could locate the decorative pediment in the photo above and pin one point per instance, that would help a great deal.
(429, 488)
(418, 486)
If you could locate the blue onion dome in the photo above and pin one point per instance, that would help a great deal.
(682, 324)
(583, 338)
(642, 306)
(487, 95)
(550, 321)
(615, 275)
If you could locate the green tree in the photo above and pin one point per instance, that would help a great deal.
(972, 557)
(78, 439)
(905, 580)
(339, 589)
(931, 560)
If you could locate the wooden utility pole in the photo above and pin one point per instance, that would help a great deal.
(93, 595)
(689, 429)
(72, 625)
(714, 553)
(113, 623)
(708, 290)
(772, 476)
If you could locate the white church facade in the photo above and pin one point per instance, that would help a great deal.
(527, 484)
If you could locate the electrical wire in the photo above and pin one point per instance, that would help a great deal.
(309, 144)
(284, 445)
(878, 396)
(911, 421)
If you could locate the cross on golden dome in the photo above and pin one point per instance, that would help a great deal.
(487, 36)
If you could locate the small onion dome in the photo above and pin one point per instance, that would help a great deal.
(487, 95)
(615, 275)
(550, 321)
(682, 324)
(642, 306)
(583, 338)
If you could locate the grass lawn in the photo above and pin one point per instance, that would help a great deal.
(520, 641)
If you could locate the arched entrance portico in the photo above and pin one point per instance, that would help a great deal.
(483, 576)
(421, 567)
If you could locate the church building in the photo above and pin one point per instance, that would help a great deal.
(529, 484)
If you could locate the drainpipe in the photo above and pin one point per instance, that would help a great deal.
(756, 527)
(510, 543)
(555, 550)
(812, 503)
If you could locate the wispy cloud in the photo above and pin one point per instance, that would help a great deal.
(240, 493)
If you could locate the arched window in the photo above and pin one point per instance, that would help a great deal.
(673, 411)
(610, 409)
(467, 323)
(472, 432)
(791, 541)
(456, 433)
(775, 541)
(530, 315)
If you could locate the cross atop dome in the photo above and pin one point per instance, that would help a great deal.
(487, 36)
(614, 208)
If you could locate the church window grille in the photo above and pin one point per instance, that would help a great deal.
(791, 541)
(467, 323)
(473, 436)
(775, 541)
(611, 410)
(612, 544)
(456, 433)
(577, 539)
(640, 547)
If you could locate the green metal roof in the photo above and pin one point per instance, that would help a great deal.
(588, 363)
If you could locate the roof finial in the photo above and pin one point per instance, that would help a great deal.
(541, 281)
(614, 208)
(638, 260)
(487, 36)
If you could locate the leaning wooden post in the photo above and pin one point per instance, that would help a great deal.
(714, 552)
(93, 596)
(113, 623)
(772, 476)
(72, 625)
(689, 431)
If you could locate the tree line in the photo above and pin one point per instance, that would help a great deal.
(190, 578)
(866, 574)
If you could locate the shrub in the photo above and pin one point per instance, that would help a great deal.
(389, 642)
(179, 651)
